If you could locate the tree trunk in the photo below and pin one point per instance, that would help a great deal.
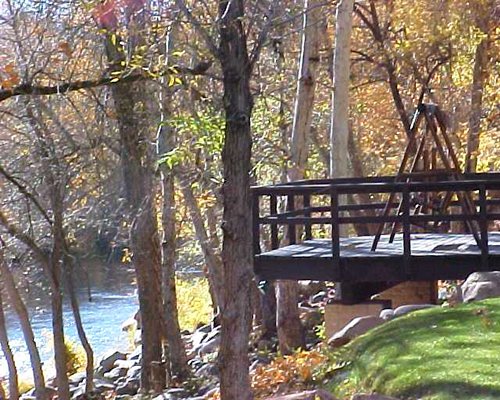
(479, 78)
(20, 309)
(4, 343)
(237, 255)
(75, 307)
(339, 134)
(147, 263)
(290, 330)
(55, 274)
(166, 142)
(137, 162)
(213, 263)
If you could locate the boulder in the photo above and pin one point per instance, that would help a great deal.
(130, 387)
(116, 373)
(356, 327)
(75, 379)
(197, 338)
(109, 359)
(318, 297)
(387, 314)
(408, 308)
(481, 285)
(373, 396)
(136, 354)
(318, 394)
(127, 364)
(134, 372)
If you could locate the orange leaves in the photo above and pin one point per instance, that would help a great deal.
(9, 76)
(283, 373)
(65, 48)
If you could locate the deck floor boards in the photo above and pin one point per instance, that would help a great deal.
(433, 256)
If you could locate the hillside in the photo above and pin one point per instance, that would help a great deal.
(439, 354)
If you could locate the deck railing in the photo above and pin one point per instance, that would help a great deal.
(432, 195)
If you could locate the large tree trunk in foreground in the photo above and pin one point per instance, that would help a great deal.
(479, 78)
(21, 312)
(4, 343)
(236, 315)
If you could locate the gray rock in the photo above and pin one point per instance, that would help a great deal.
(130, 387)
(101, 387)
(387, 314)
(116, 373)
(402, 310)
(212, 335)
(208, 370)
(75, 379)
(125, 363)
(134, 372)
(197, 338)
(108, 360)
(209, 347)
(356, 327)
(136, 354)
(318, 297)
(318, 394)
(373, 396)
(481, 285)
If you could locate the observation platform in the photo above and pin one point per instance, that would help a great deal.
(297, 225)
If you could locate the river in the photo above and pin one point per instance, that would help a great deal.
(113, 302)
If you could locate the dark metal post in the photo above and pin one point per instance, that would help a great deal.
(334, 206)
(255, 223)
(307, 214)
(292, 234)
(406, 230)
(483, 225)
(274, 226)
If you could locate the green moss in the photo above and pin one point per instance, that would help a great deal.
(438, 354)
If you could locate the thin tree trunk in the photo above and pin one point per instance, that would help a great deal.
(290, 330)
(212, 261)
(4, 342)
(20, 309)
(479, 78)
(237, 256)
(75, 307)
(55, 275)
(339, 134)
(165, 143)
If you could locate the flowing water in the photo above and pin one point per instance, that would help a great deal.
(113, 302)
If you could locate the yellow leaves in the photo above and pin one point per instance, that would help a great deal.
(126, 256)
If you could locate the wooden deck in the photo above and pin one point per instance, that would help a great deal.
(400, 207)
(443, 255)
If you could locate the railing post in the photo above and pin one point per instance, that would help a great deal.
(274, 226)
(292, 234)
(483, 225)
(307, 204)
(406, 230)
(334, 209)
(255, 223)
